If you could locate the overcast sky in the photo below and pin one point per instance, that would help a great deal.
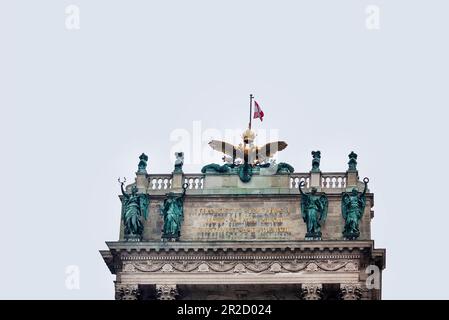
(78, 106)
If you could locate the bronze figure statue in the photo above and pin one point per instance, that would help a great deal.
(314, 212)
(352, 208)
(172, 212)
(134, 208)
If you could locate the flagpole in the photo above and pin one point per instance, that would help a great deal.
(250, 110)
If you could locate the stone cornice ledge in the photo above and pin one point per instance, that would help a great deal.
(148, 246)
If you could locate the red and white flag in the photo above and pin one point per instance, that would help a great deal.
(258, 113)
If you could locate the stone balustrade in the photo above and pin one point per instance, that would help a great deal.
(159, 182)
(195, 181)
(333, 180)
(330, 181)
(297, 178)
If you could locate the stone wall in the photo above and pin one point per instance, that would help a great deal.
(250, 217)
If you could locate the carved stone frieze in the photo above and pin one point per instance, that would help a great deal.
(242, 266)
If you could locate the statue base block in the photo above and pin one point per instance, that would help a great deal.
(313, 236)
(351, 236)
(169, 238)
(133, 238)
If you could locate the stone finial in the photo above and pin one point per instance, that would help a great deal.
(316, 161)
(179, 162)
(352, 164)
(142, 167)
(311, 292)
(166, 291)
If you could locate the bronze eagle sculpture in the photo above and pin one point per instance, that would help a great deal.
(248, 152)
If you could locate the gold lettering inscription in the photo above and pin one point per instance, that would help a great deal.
(240, 223)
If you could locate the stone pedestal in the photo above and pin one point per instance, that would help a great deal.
(352, 179)
(177, 182)
(315, 180)
(141, 182)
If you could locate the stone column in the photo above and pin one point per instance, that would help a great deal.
(127, 292)
(311, 292)
(350, 291)
(166, 291)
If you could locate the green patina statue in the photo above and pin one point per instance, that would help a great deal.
(172, 212)
(179, 162)
(142, 167)
(316, 161)
(314, 212)
(245, 172)
(352, 164)
(213, 167)
(284, 168)
(134, 207)
(352, 208)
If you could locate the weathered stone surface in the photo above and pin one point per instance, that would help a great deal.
(246, 241)
(270, 213)
(259, 218)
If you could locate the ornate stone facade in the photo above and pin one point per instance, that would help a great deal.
(246, 240)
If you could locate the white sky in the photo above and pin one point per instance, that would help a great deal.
(79, 106)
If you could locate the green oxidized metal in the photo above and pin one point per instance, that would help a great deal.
(284, 168)
(352, 164)
(314, 209)
(134, 208)
(172, 212)
(352, 208)
(142, 167)
(179, 162)
(316, 161)
(245, 172)
(213, 167)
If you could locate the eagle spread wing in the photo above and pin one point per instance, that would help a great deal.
(270, 149)
(226, 148)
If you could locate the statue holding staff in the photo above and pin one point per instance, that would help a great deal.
(314, 211)
(352, 208)
(172, 211)
(135, 206)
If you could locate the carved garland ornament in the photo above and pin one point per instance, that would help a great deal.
(240, 267)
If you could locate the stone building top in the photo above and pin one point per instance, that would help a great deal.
(218, 204)
(250, 228)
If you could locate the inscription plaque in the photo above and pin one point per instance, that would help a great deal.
(241, 223)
